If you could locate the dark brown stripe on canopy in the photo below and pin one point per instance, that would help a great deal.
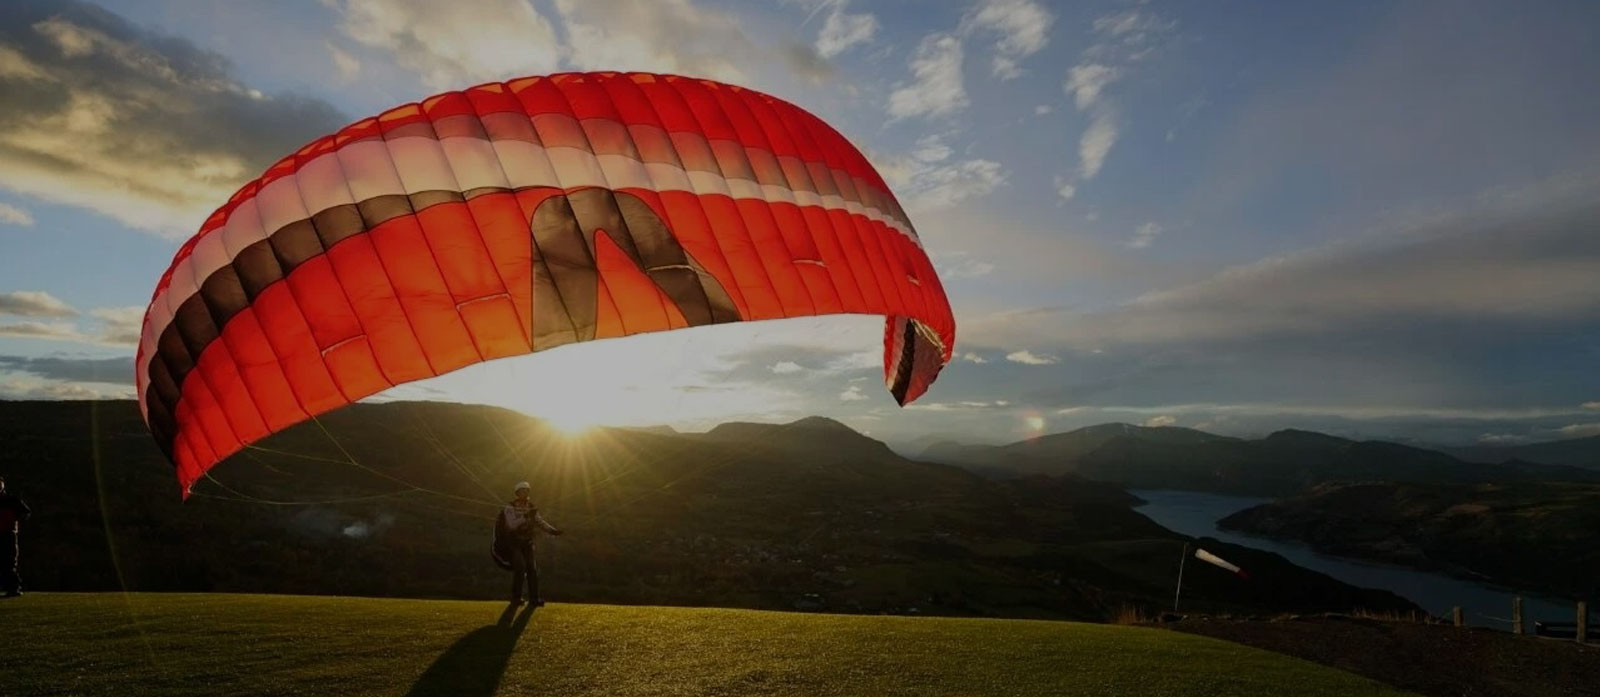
(201, 317)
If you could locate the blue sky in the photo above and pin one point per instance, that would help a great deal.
(1371, 218)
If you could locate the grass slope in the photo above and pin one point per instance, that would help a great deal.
(156, 644)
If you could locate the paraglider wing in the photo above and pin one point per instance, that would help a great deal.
(514, 217)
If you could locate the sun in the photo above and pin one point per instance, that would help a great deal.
(1035, 423)
(571, 423)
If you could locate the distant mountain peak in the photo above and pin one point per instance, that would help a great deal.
(820, 422)
(1295, 435)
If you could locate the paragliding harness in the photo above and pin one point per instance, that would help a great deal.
(505, 539)
(500, 546)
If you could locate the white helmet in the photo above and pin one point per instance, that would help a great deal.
(520, 486)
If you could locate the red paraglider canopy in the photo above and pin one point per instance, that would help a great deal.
(511, 218)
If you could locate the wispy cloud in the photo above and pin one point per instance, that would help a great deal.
(929, 178)
(786, 367)
(1096, 143)
(1584, 430)
(1027, 357)
(1086, 82)
(960, 265)
(41, 330)
(1145, 235)
(852, 393)
(347, 65)
(676, 36)
(842, 30)
(936, 87)
(1121, 41)
(1023, 29)
(34, 303)
(13, 215)
(23, 388)
(969, 405)
(1502, 439)
(119, 326)
(110, 326)
(1159, 421)
(473, 41)
(71, 369)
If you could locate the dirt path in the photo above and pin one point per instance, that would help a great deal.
(1429, 659)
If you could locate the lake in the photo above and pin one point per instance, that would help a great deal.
(1196, 514)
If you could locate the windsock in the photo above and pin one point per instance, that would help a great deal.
(1213, 559)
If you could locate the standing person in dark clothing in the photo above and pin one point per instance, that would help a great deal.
(523, 522)
(12, 512)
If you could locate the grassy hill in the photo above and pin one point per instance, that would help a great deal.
(131, 645)
(1537, 536)
(396, 499)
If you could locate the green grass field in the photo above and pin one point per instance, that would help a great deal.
(148, 644)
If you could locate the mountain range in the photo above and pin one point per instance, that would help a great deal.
(397, 499)
(1279, 464)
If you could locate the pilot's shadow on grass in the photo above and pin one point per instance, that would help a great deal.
(473, 666)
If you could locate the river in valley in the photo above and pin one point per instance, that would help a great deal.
(1196, 514)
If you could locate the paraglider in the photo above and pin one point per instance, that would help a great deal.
(514, 217)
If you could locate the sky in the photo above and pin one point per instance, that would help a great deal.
(1373, 219)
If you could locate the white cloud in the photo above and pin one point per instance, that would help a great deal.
(470, 42)
(786, 367)
(1027, 357)
(953, 265)
(25, 388)
(947, 185)
(1065, 188)
(1501, 439)
(1133, 29)
(1159, 421)
(841, 30)
(932, 148)
(1124, 39)
(1592, 406)
(1580, 430)
(119, 326)
(34, 303)
(1095, 144)
(15, 216)
(855, 360)
(968, 405)
(927, 179)
(1145, 235)
(1086, 82)
(1023, 27)
(71, 368)
(672, 36)
(973, 358)
(346, 64)
(1042, 109)
(937, 88)
(852, 393)
(41, 330)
